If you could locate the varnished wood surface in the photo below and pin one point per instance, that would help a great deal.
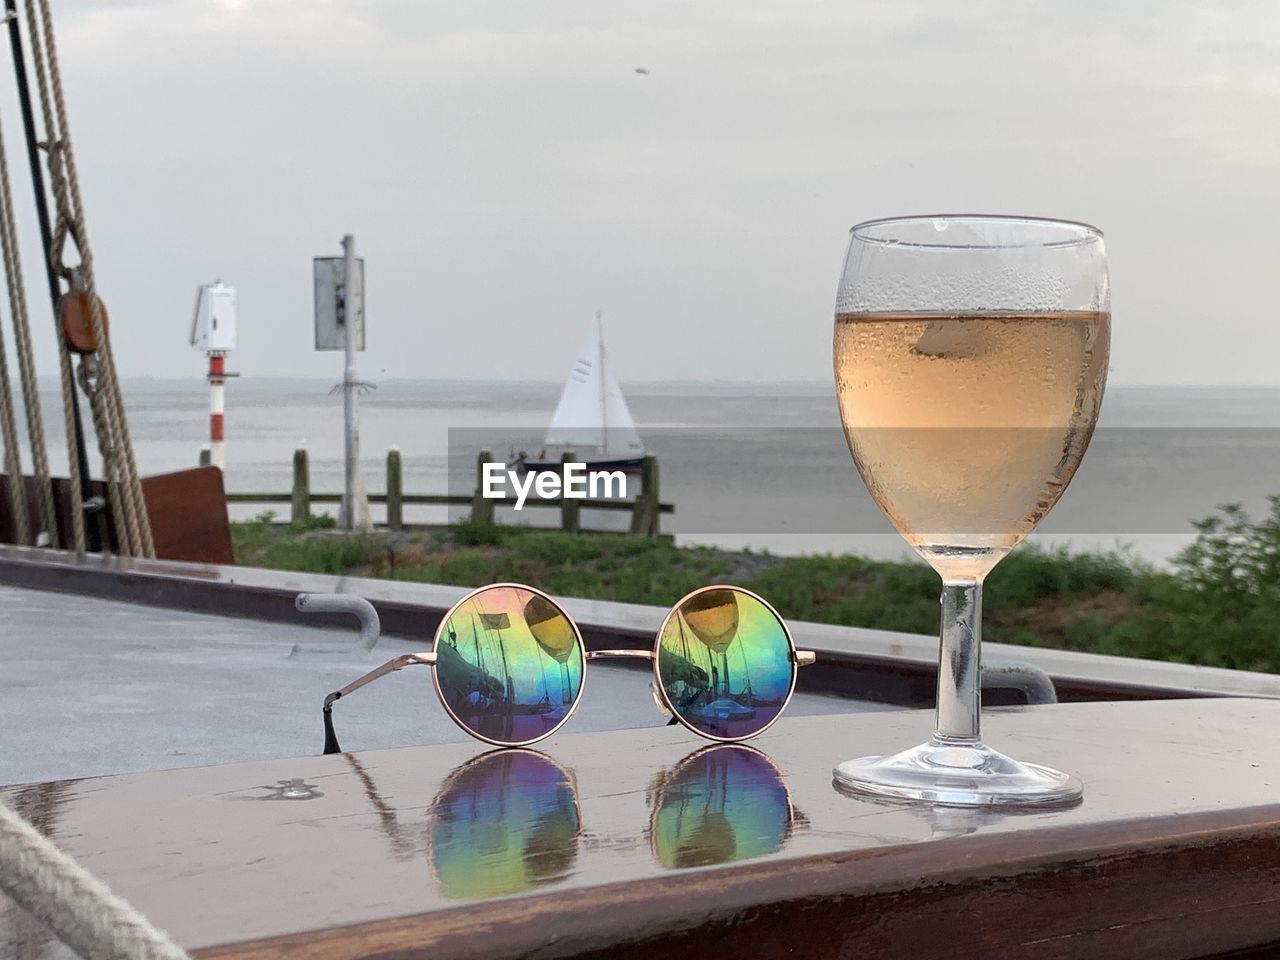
(632, 844)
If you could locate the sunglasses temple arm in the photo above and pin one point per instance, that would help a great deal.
(399, 663)
(805, 658)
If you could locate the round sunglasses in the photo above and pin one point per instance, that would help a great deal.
(509, 665)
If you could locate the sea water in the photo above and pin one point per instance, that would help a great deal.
(758, 465)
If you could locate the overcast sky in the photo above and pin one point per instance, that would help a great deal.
(506, 171)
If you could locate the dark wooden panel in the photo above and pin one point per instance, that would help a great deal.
(648, 844)
(187, 510)
(1270, 951)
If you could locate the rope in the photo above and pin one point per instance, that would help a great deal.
(12, 460)
(133, 528)
(75, 480)
(88, 373)
(87, 377)
(26, 358)
(78, 908)
(136, 516)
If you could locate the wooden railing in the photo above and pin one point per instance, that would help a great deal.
(645, 508)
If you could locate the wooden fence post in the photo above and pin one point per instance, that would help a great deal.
(206, 456)
(644, 515)
(301, 507)
(570, 510)
(395, 491)
(481, 506)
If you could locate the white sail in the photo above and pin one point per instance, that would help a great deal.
(592, 412)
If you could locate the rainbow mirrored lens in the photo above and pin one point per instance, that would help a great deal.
(506, 822)
(509, 664)
(724, 661)
(722, 804)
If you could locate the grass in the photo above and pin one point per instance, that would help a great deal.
(1219, 606)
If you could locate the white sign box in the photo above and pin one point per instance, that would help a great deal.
(213, 324)
(333, 307)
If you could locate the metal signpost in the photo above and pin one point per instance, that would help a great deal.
(339, 287)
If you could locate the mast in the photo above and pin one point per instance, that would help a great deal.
(604, 400)
(506, 671)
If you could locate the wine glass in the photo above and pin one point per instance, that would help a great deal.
(712, 616)
(970, 360)
(554, 634)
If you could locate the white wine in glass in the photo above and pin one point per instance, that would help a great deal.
(970, 360)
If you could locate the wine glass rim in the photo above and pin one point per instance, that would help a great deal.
(1079, 232)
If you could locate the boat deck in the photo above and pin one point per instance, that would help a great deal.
(93, 687)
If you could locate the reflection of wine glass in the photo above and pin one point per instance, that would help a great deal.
(713, 618)
(554, 634)
(970, 359)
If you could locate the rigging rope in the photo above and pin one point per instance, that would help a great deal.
(66, 375)
(77, 907)
(97, 371)
(26, 359)
(12, 460)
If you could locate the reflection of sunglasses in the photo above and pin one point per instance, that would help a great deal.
(509, 820)
(509, 665)
(503, 822)
(722, 803)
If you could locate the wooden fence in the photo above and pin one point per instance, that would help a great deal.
(645, 509)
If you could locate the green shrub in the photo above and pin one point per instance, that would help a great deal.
(316, 521)
(1224, 604)
(336, 554)
(853, 592)
(471, 533)
(1032, 572)
(249, 535)
(1219, 605)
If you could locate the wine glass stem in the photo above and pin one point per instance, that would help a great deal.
(959, 664)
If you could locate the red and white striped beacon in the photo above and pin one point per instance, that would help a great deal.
(213, 331)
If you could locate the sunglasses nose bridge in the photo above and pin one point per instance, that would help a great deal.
(611, 654)
(636, 654)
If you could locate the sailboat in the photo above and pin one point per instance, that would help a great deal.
(592, 420)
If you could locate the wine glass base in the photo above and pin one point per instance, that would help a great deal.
(964, 774)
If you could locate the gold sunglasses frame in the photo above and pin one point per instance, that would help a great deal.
(797, 658)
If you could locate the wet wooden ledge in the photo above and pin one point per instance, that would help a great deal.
(650, 844)
(878, 665)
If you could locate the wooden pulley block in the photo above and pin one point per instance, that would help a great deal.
(76, 324)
